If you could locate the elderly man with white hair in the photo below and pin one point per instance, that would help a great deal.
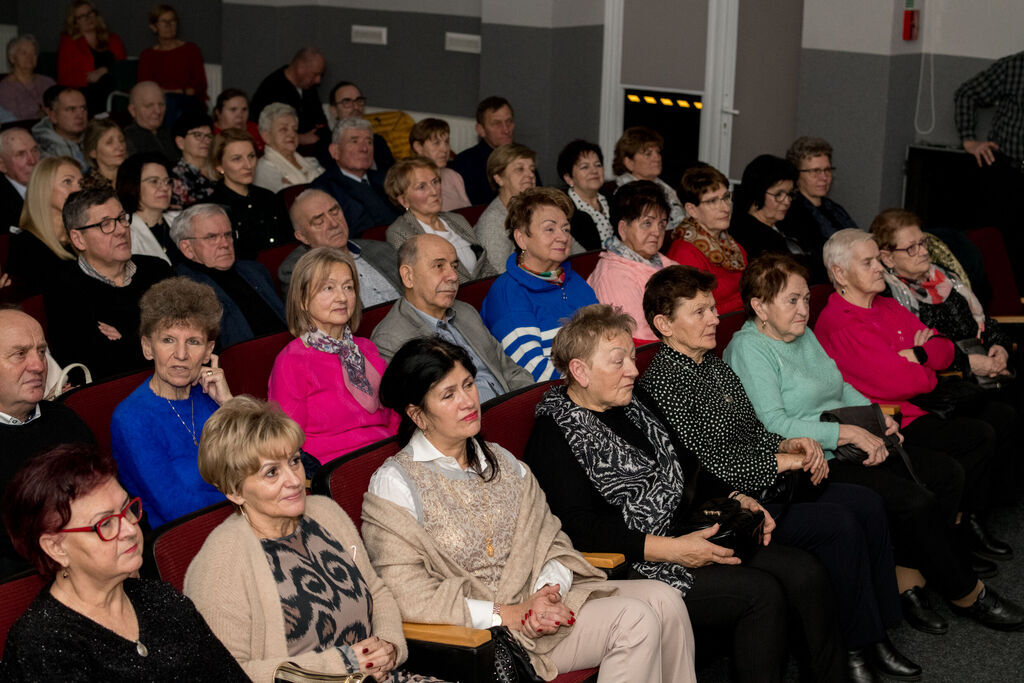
(19, 154)
(146, 132)
(358, 188)
(251, 305)
(281, 165)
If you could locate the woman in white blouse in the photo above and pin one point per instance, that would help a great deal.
(280, 165)
(144, 189)
(415, 185)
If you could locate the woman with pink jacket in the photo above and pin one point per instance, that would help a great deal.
(640, 213)
(326, 379)
(890, 356)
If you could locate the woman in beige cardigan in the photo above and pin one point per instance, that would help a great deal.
(286, 578)
(462, 534)
(415, 185)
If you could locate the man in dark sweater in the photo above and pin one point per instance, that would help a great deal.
(28, 424)
(147, 132)
(295, 84)
(245, 290)
(92, 304)
(496, 126)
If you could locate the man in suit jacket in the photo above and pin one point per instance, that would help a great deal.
(358, 189)
(19, 154)
(251, 305)
(319, 222)
(427, 265)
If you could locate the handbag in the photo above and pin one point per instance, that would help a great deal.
(950, 394)
(872, 419)
(741, 530)
(511, 661)
(975, 347)
(290, 672)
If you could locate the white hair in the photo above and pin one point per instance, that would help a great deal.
(274, 111)
(182, 226)
(14, 42)
(6, 137)
(836, 251)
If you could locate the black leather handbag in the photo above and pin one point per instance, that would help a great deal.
(511, 661)
(740, 530)
(872, 419)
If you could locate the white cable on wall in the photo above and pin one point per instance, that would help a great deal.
(930, 56)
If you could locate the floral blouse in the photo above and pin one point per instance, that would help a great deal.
(189, 186)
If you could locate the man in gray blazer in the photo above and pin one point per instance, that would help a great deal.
(428, 267)
(319, 222)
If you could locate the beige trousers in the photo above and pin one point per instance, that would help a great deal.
(641, 634)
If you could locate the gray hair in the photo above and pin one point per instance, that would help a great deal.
(182, 226)
(836, 251)
(274, 111)
(351, 122)
(807, 147)
(14, 42)
(7, 135)
(307, 52)
(293, 212)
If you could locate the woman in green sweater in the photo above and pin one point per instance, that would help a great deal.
(790, 381)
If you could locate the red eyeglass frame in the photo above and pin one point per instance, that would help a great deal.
(121, 515)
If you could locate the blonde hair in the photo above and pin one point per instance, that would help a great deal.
(310, 273)
(71, 27)
(580, 337)
(37, 214)
(237, 435)
(400, 175)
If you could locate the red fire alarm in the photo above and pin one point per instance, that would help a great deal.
(911, 22)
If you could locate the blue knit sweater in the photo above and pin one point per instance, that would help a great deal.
(156, 458)
(524, 313)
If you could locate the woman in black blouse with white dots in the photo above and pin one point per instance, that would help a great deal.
(843, 525)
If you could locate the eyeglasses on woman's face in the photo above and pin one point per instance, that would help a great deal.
(915, 248)
(782, 196)
(109, 527)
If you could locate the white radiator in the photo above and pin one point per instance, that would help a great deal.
(214, 82)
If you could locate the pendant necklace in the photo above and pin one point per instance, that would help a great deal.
(191, 432)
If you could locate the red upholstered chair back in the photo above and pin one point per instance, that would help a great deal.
(584, 264)
(728, 325)
(378, 232)
(174, 544)
(372, 317)
(1005, 299)
(645, 354)
(288, 194)
(474, 293)
(272, 259)
(247, 365)
(15, 597)
(95, 403)
(471, 213)
(347, 478)
(35, 308)
(508, 420)
(819, 298)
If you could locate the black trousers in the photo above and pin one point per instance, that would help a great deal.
(753, 603)
(920, 517)
(845, 528)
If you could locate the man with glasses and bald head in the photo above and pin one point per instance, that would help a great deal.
(251, 305)
(92, 304)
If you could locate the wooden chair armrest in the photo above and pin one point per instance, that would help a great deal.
(950, 373)
(889, 409)
(1009, 319)
(446, 634)
(605, 560)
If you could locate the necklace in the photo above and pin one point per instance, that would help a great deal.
(191, 432)
(487, 513)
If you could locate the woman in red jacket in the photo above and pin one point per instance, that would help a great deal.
(87, 53)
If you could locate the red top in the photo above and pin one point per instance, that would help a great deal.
(74, 59)
(865, 344)
(727, 293)
(176, 69)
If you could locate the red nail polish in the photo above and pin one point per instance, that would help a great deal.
(523, 622)
(369, 665)
(366, 650)
(558, 623)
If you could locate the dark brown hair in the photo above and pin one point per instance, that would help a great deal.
(766, 276)
(668, 286)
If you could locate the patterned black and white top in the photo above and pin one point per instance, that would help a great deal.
(324, 597)
(707, 407)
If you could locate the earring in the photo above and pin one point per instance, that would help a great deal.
(64, 574)
(764, 324)
(842, 290)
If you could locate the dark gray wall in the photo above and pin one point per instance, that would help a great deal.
(8, 13)
(664, 43)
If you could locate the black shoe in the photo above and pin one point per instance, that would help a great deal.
(919, 613)
(891, 663)
(993, 611)
(982, 568)
(981, 542)
(858, 669)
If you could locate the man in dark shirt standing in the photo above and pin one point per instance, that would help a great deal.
(251, 305)
(295, 84)
(496, 126)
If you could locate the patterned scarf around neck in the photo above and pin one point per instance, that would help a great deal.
(361, 378)
(648, 489)
(933, 290)
(722, 251)
(619, 248)
(600, 218)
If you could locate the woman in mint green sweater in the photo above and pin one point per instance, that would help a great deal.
(790, 381)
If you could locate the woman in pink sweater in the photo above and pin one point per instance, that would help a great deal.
(890, 356)
(326, 379)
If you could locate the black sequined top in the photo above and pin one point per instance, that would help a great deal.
(52, 642)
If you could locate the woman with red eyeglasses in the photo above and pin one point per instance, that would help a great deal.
(66, 512)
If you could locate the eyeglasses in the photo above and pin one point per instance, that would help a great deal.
(108, 224)
(782, 196)
(109, 528)
(828, 170)
(349, 101)
(199, 135)
(319, 220)
(715, 201)
(84, 15)
(157, 181)
(915, 248)
(213, 237)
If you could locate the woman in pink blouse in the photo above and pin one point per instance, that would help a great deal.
(890, 356)
(326, 379)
